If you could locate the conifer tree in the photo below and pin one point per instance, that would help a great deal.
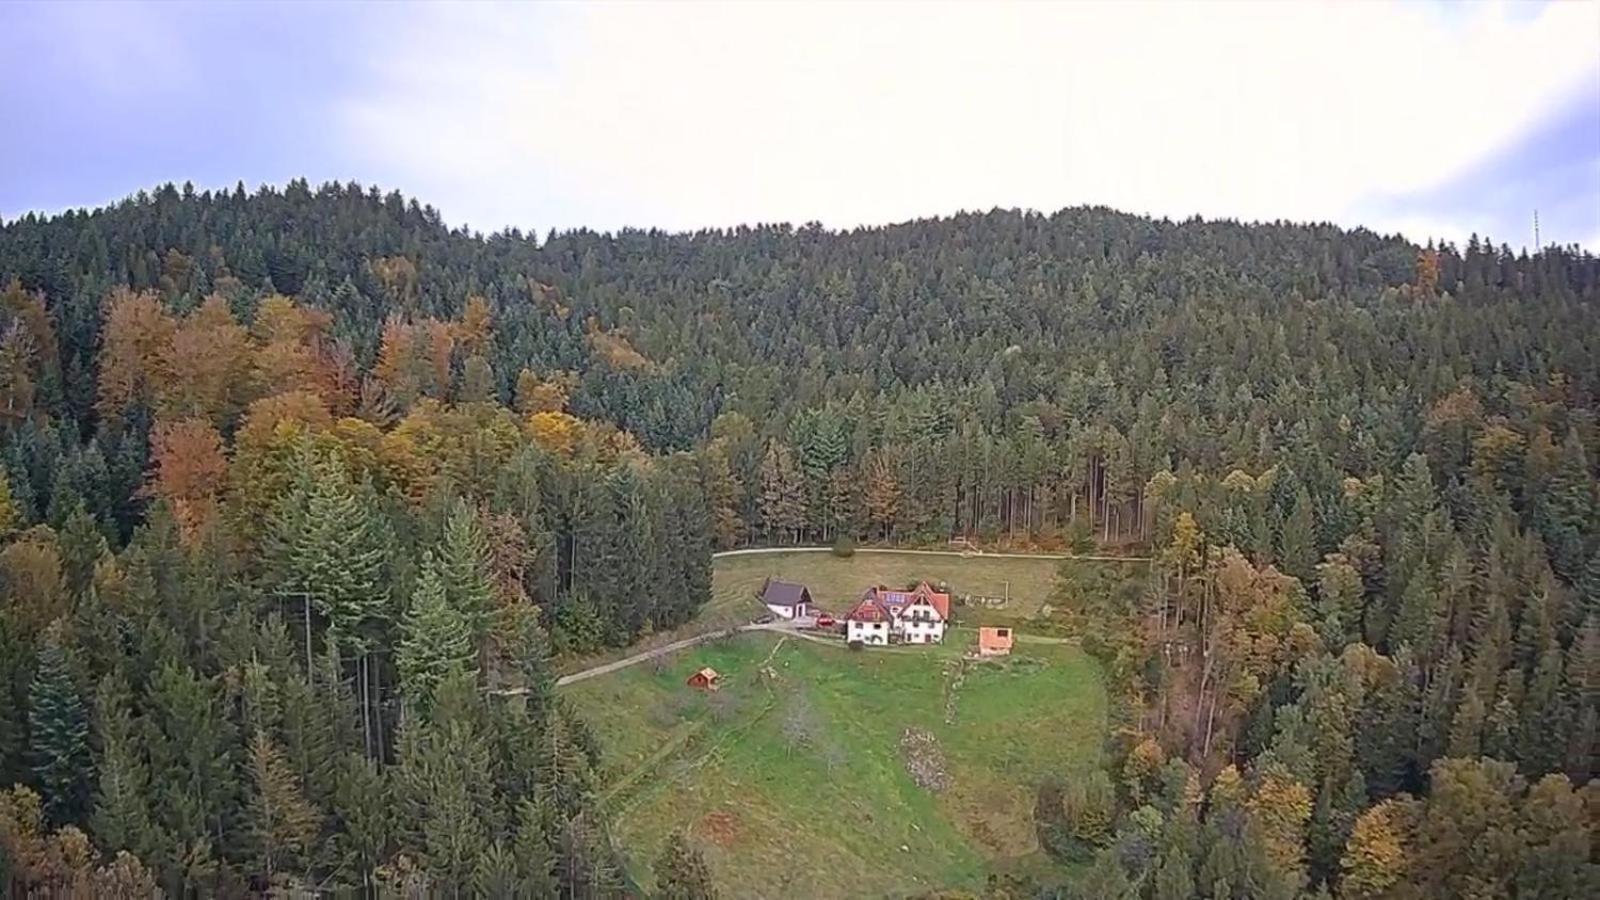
(330, 555)
(464, 564)
(1297, 543)
(194, 777)
(281, 824)
(435, 640)
(361, 803)
(58, 731)
(535, 857)
(121, 817)
(1174, 878)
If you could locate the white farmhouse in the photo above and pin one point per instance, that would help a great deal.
(917, 616)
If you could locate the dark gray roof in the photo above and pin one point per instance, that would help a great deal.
(784, 593)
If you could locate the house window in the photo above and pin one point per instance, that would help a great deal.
(1002, 632)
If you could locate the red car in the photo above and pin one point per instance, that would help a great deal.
(825, 621)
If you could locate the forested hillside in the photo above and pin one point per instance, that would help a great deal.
(293, 476)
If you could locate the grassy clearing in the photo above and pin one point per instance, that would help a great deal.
(837, 582)
(794, 782)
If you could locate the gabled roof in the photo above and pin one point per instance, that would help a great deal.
(870, 609)
(881, 604)
(784, 593)
(924, 591)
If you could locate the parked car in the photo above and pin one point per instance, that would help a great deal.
(825, 621)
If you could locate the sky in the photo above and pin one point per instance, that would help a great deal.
(1435, 120)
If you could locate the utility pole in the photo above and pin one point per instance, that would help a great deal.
(1536, 244)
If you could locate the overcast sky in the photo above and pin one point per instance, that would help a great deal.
(1432, 119)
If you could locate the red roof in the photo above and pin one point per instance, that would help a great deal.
(940, 602)
(881, 604)
(870, 609)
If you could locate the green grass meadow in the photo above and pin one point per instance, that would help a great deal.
(791, 778)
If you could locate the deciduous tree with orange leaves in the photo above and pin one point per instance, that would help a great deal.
(134, 357)
(189, 470)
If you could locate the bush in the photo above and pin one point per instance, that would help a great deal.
(844, 546)
(1088, 806)
(1080, 537)
(856, 645)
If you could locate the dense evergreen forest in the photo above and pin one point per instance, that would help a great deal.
(304, 489)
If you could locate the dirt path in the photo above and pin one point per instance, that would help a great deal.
(783, 628)
(664, 649)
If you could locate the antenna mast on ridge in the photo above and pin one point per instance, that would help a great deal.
(1536, 244)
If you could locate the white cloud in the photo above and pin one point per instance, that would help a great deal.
(687, 115)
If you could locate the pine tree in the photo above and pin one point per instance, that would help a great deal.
(1543, 732)
(464, 566)
(330, 555)
(14, 652)
(1088, 807)
(535, 858)
(1466, 732)
(194, 783)
(1174, 878)
(681, 871)
(281, 824)
(588, 865)
(444, 789)
(435, 640)
(1581, 702)
(121, 817)
(495, 873)
(1297, 542)
(782, 495)
(1564, 509)
(361, 803)
(58, 729)
(1338, 806)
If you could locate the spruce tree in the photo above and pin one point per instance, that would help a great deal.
(195, 780)
(13, 702)
(464, 564)
(58, 731)
(1174, 878)
(1544, 728)
(435, 640)
(361, 803)
(121, 817)
(1297, 542)
(329, 554)
(532, 848)
(281, 825)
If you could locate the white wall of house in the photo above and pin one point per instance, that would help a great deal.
(919, 623)
(789, 612)
(867, 632)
